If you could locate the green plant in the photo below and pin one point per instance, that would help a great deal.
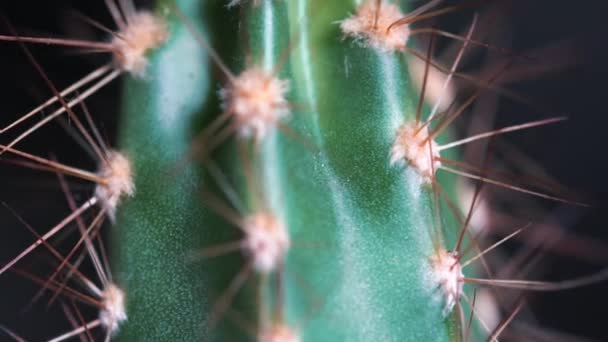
(332, 153)
(321, 193)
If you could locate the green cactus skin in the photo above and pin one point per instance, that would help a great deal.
(369, 279)
(156, 227)
(377, 219)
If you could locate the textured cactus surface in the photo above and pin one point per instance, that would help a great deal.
(361, 231)
(166, 295)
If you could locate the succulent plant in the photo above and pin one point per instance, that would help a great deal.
(278, 176)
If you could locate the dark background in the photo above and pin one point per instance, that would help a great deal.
(571, 152)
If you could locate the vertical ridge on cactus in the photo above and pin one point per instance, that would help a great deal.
(163, 222)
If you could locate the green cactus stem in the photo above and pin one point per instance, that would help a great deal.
(361, 231)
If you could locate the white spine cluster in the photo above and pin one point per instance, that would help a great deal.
(369, 26)
(413, 147)
(144, 32)
(256, 99)
(266, 241)
(116, 171)
(447, 273)
(278, 333)
(113, 312)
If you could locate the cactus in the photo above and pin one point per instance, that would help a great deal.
(322, 172)
(371, 252)
(301, 201)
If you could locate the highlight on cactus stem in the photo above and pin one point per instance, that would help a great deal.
(310, 206)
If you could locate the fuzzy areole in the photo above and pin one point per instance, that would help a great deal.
(144, 32)
(257, 100)
(413, 148)
(370, 26)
